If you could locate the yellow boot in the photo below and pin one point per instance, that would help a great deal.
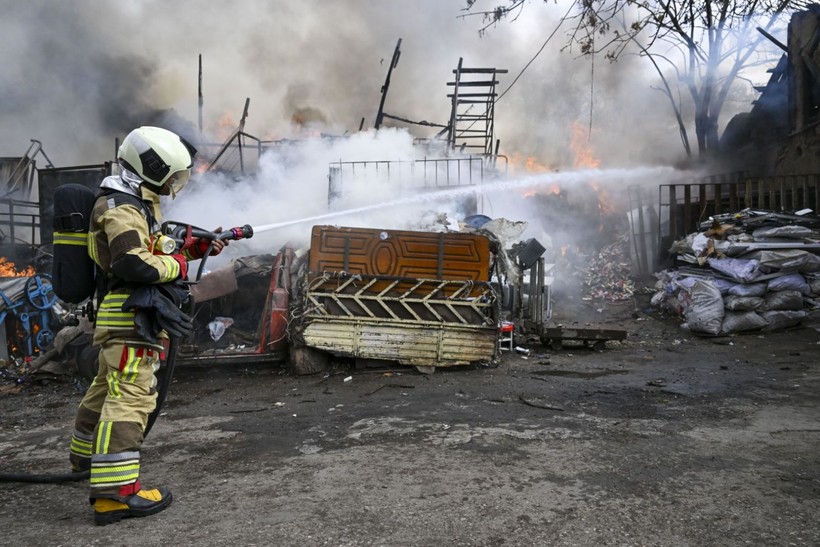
(143, 503)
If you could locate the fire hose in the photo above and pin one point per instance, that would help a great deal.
(182, 236)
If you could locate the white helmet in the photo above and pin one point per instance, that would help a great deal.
(159, 157)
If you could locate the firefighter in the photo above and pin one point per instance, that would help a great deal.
(111, 419)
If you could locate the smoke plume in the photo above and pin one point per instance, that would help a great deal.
(79, 75)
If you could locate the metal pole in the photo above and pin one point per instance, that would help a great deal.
(240, 133)
(393, 62)
(451, 138)
(201, 99)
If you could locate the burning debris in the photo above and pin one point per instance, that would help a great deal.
(9, 269)
(748, 271)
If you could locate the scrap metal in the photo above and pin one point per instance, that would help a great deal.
(418, 298)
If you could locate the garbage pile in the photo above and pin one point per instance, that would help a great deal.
(608, 275)
(745, 272)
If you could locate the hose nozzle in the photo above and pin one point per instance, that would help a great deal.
(238, 232)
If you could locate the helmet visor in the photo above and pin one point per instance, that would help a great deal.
(178, 180)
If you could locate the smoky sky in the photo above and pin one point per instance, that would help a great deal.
(77, 75)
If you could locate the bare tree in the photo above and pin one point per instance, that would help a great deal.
(705, 44)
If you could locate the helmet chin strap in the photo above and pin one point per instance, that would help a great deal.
(165, 190)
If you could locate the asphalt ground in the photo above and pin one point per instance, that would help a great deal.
(662, 439)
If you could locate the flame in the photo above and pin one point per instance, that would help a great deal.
(531, 164)
(584, 157)
(9, 269)
(606, 205)
(570, 251)
(19, 338)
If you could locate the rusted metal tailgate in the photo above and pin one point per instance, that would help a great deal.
(395, 253)
(414, 297)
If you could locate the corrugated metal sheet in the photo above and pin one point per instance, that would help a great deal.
(433, 345)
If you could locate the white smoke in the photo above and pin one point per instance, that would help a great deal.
(78, 75)
(289, 193)
(292, 183)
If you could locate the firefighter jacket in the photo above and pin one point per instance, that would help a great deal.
(124, 226)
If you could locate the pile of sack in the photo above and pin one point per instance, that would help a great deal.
(738, 279)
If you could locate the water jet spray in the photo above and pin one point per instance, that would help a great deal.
(544, 179)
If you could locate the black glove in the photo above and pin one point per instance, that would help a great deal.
(173, 320)
(175, 291)
(156, 312)
(145, 323)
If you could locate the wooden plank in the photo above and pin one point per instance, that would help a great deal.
(771, 194)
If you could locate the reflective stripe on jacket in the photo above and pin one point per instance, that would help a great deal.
(121, 243)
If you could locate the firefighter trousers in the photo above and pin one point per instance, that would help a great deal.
(111, 419)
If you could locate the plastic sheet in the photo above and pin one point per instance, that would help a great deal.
(783, 232)
(724, 286)
(218, 326)
(751, 289)
(736, 268)
(786, 260)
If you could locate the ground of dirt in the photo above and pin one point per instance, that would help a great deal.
(662, 439)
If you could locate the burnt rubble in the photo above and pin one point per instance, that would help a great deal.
(750, 271)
